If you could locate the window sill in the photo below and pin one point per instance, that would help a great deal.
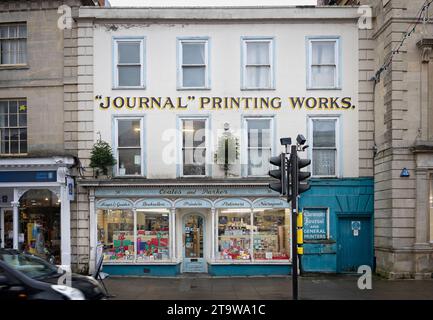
(128, 88)
(258, 89)
(328, 89)
(14, 66)
(194, 89)
(193, 177)
(129, 177)
(324, 177)
(13, 155)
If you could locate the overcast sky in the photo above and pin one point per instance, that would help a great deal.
(137, 3)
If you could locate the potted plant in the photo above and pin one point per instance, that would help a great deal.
(227, 152)
(102, 157)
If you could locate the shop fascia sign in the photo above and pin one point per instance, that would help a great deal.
(186, 191)
(224, 103)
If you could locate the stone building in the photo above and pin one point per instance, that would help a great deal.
(38, 85)
(403, 140)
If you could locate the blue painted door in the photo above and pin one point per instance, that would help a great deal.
(354, 244)
(193, 244)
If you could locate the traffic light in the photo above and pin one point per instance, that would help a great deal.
(280, 174)
(303, 175)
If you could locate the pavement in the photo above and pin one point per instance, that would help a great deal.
(324, 287)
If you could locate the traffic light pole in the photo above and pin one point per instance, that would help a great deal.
(292, 196)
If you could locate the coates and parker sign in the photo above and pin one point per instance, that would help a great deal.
(225, 103)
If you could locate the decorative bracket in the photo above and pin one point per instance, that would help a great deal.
(426, 46)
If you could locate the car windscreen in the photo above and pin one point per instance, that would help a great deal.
(31, 266)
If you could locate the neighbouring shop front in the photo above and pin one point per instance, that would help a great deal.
(35, 206)
(167, 230)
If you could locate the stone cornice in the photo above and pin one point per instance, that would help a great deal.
(422, 147)
(312, 14)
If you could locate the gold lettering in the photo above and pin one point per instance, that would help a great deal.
(204, 101)
(128, 105)
(144, 101)
(116, 104)
(155, 101)
(168, 103)
(179, 103)
(297, 102)
(276, 103)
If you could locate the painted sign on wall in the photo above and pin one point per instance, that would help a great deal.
(225, 103)
(315, 224)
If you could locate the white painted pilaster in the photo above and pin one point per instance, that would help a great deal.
(213, 233)
(65, 227)
(2, 228)
(15, 205)
(172, 233)
(93, 231)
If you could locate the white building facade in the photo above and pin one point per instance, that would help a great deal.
(193, 102)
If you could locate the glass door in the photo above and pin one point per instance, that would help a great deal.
(193, 244)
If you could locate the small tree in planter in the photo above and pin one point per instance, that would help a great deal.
(102, 157)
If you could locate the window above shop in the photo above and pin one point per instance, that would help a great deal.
(129, 144)
(259, 139)
(323, 56)
(193, 63)
(324, 137)
(194, 147)
(13, 44)
(129, 63)
(13, 126)
(257, 63)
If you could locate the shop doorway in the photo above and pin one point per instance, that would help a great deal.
(39, 224)
(7, 228)
(193, 244)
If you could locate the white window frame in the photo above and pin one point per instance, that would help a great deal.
(338, 170)
(17, 38)
(337, 79)
(244, 41)
(180, 65)
(245, 139)
(207, 145)
(17, 127)
(142, 42)
(116, 146)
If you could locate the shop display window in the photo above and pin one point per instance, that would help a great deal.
(234, 234)
(271, 234)
(39, 224)
(152, 235)
(116, 233)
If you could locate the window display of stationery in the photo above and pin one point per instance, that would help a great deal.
(234, 240)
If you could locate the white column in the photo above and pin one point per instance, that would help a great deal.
(213, 233)
(65, 228)
(92, 232)
(252, 235)
(134, 212)
(15, 205)
(2, 228)
(172, 233)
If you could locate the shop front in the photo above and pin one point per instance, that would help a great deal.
(168, 230)
(35, 207)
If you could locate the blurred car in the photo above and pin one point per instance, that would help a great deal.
(27, 277)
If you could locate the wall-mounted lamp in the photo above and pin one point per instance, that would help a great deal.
(404, 173)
